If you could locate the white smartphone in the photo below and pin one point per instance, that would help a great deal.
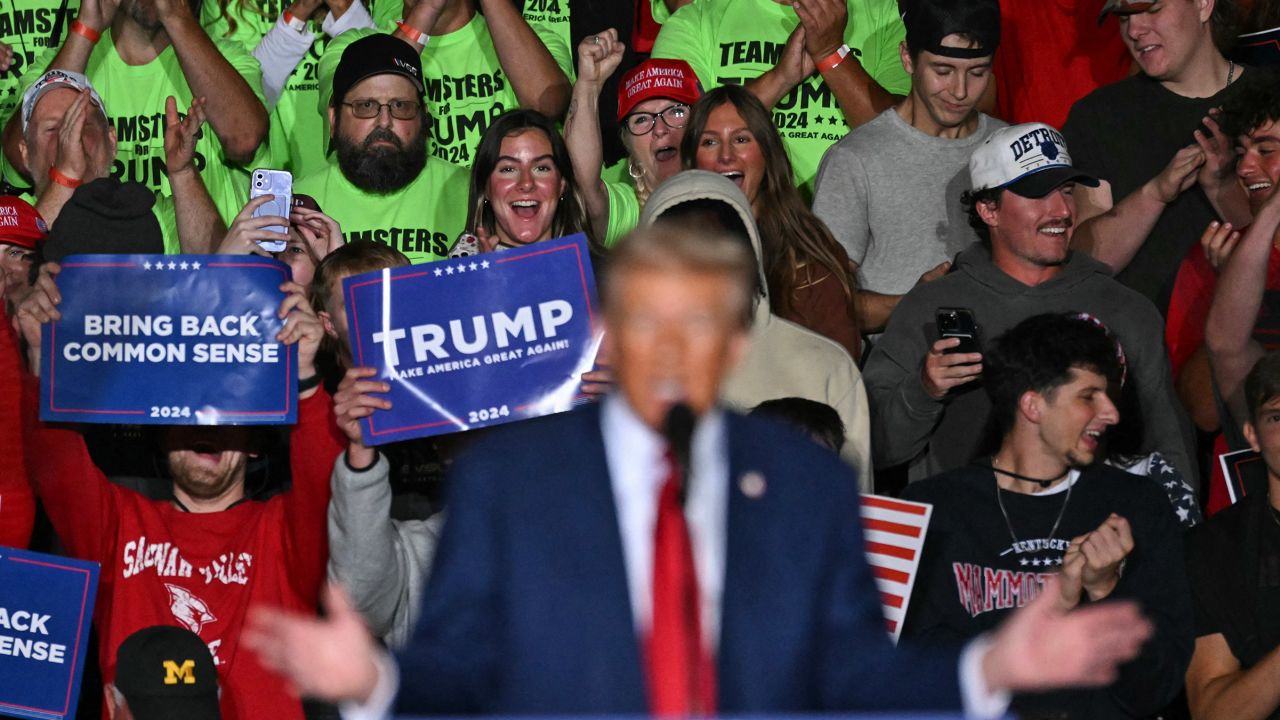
(278, 184)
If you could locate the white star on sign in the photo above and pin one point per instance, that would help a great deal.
(461, 268)
(484, 264)
(439, 272)
(183, 265)
(1023, 561)
(173, 265)
(448, 271)
(195, 266)
(474, 267)
(146, 265)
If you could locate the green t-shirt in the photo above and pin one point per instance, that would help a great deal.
(624, 210)
(27, 27)
(466, 90)
(421, 220)
(550, 20)
(135, 97)
(732, 41)
(466, 86)
(299, 136)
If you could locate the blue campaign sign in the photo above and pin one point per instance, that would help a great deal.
(475, 341)
(46, 607)
(169, 340)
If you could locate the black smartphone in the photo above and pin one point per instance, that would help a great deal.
(959, 323)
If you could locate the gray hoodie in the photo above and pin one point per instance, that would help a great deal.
(939, 435)
(783, 359)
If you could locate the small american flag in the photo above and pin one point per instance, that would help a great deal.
(894, 532)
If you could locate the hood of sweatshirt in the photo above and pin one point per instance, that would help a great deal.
(975, 261)
(690, 185)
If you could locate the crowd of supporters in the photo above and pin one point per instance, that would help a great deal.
(898, 169)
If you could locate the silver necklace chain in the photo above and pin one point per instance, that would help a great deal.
(1052, 533)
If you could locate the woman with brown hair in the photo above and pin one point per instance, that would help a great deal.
(732, 134)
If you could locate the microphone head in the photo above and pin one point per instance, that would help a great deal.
(678, 428)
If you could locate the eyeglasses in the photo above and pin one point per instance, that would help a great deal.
(642, 123)
(400, 109)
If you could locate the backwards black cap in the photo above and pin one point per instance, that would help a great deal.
(377, 54)
(929, 21)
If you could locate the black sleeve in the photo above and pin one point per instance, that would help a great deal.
(1155, 576)
(1081, 133)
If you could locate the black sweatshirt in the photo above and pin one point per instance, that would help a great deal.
(973, 574)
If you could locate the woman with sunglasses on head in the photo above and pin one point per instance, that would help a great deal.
(731, 133)
(654, 100)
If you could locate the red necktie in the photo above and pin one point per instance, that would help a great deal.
(681, 674)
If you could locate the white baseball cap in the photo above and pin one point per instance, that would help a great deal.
(52, 80)
(1030, 160)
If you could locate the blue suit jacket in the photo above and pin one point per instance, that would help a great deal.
(527, 609)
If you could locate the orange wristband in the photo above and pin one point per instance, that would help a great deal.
(62, 179)
(413, 33)
(295, 23)
(832, 61)
(85, 31)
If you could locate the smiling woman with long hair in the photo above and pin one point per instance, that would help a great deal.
(731, 133)
(522, 185)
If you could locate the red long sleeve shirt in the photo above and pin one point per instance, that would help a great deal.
(202, 571)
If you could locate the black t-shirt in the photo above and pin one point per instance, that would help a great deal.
(1233, 563)
(973, 574)
(1125, 133)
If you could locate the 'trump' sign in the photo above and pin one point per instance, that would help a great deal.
(475, 341)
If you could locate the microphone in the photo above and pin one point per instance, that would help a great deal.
(678, 431)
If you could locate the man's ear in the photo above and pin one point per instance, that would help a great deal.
(1031, 406)
(332, 116)
(111, 140)
(905, 55)
(988, 211)
(327, 320)
(1251, 436)
(24, 153)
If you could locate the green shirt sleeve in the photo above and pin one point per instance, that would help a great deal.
(624, 211)
(686, 36)
(881, 57)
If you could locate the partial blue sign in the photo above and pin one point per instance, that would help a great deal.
(169, 340)
(475, 341)
(46, 607)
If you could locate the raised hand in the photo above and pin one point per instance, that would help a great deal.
(1179, 174)
(1218, 150)
(180, 133)
(599, 56)
(70, 159)
(824, 24)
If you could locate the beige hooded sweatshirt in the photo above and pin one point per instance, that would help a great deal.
(783, 359)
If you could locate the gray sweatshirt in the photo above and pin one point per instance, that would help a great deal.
(938, 435)
(382, 563)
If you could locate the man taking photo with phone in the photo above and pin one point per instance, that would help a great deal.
(925, 410)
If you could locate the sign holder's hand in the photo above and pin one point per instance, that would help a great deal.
(38, 306)
(353, 402)
(301, 326)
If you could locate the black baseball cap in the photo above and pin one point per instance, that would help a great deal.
(929, 21)
(165, 672)
(377, 54)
